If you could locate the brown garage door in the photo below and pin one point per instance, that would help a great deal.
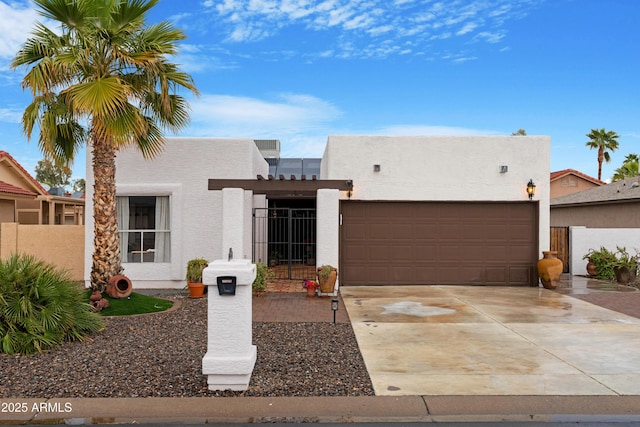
(438, 243)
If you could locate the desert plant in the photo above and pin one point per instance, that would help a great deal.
(194, 269)
(604, 261)
(40, 306)
(324, 271)
(263, 274)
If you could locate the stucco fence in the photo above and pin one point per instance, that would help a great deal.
(581, 239)
(61, 245)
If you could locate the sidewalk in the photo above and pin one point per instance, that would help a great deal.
(324, 409)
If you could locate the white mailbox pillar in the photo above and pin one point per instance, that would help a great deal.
(230, 356)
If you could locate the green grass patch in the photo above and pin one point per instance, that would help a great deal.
(135, 304)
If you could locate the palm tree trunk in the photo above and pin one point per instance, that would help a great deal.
(600, 160)
(106, 241)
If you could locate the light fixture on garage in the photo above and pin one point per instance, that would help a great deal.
(504, 169)
(531, 189)
(350, 185)
(376, 168)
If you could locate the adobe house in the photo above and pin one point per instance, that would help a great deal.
(569, 181)
(24, 201)
(383, 209)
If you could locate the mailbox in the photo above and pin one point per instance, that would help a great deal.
(226, 285)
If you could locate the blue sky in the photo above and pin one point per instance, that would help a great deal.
(300, 70)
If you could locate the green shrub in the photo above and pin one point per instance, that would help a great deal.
(263, 273)
(606, 260)
(40, 307)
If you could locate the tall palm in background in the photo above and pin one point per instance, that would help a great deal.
(602, 140)
(102, 78)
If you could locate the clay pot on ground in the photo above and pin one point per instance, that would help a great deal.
(624, 275)
(311, 292)
(550, 269)
(592, 270)
(119, 287)
(196, 290)
(327, 282)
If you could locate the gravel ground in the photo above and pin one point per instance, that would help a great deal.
(160, 355)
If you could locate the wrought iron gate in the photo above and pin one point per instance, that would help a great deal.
(285, 239)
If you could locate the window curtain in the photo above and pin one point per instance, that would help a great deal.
(123, 224)
(163, 224)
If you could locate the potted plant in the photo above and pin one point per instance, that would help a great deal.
(602, 262)
(327, 275)
(311, 286)
(274, 258)
(194, 277)
(625, 267)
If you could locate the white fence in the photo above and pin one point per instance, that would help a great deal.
(581, 239)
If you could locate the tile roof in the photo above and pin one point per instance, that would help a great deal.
(619, 191)
(27, 175)
(565, 172)
(5, 187)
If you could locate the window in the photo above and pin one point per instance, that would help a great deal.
(144, 228)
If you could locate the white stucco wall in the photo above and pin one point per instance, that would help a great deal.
(181, 171)
(443, 168)
(581, 239)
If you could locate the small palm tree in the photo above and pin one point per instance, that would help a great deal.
(102, 78)
(628, 169)
(602, 140)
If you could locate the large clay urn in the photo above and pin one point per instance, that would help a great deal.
(550, 269)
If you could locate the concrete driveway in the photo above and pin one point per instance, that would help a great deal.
(464, 340)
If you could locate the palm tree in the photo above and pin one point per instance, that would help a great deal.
(602, 140)
(102, 78)
(628, 169)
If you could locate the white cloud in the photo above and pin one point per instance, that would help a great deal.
(10, 115)
(16, 22)
(302, 122)
(363, 22)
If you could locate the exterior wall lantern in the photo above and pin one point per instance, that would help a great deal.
(350, 185)
(531, 189)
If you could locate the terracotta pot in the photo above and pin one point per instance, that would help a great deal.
(327, 285)
(196, 290)
(592, 270)
(119, 287)
(550, 269)
(95, 296)
(311, 292)
(624, 275)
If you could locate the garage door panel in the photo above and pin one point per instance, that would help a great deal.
(438, 242)
(379, 253)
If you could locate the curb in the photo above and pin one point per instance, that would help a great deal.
(323, 409)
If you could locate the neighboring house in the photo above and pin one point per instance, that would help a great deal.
(383, 209)
(23, 200)
(30, 220)
(570, 181)
(614, 205)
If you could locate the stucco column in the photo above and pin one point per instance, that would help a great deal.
(327, 227)
(233, 223)
(231, 356)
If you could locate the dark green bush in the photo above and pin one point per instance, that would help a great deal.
(40, 307)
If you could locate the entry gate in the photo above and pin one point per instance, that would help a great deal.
(285, 239)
